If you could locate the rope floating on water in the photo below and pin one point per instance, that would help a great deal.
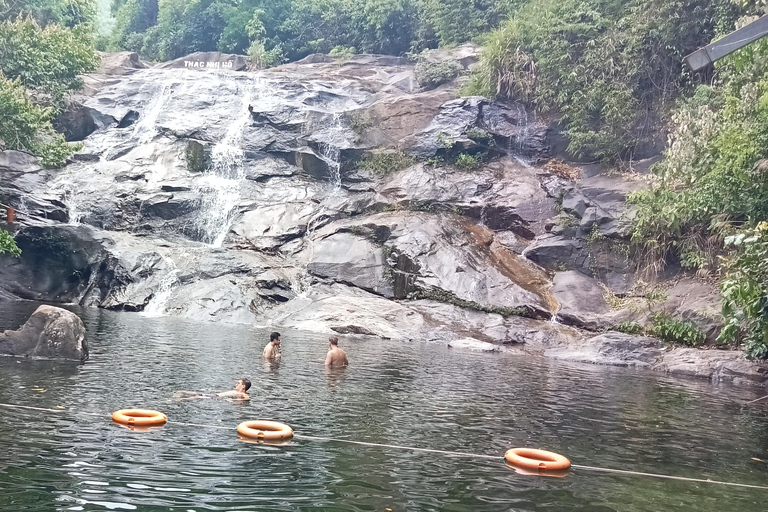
(398, 447)
(424, 450)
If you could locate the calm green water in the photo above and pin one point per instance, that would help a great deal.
(411, 394)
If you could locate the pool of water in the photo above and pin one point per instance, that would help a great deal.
(409, 394)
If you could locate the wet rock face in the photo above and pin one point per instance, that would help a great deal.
(50, 333)
(211, 193)
(452, 129)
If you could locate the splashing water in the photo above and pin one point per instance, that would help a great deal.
(73, 196)
(219, 188)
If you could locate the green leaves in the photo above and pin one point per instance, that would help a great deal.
(26, 126)
(8, 244)
(46, 60)
(607, 67)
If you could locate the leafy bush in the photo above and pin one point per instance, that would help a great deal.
(745, 292)
(261, 58)
(26, 126)
(465, 162)
(386, 163)
(629, 327)
(8, 244)
(46, 60)
(606, 66)
(676, 331)
(432, 74)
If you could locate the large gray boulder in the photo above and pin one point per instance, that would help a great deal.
(696, 301)
(50, 333)
(509, 124)
(346, 258)
(581, 300)
(504, 195)
(614, 349)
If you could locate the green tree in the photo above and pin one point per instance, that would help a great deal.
(459, 21)
(26, 126)
(69, 13)
(46, 60)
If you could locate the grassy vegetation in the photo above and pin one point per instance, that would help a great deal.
(608, 67)
(707, 206)
(383, 164)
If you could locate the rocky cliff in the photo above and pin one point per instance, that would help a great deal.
(211, 193)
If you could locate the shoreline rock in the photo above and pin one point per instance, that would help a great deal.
(50, 333)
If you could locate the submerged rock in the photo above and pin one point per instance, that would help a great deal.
(475, 345)
(50, 333)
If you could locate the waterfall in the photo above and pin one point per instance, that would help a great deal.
(330, 152)
(219, 187)
(72, 195)
(146, 128)
(159, 300)
(523, 133)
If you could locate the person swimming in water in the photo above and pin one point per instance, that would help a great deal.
(239, 393)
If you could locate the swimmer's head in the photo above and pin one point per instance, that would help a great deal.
(334, 341)
(275, 336)
(245, 383)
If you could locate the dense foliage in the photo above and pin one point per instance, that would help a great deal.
(608, 67)
(40, 60)
(280, 30)
(45, 60)
(707, 205)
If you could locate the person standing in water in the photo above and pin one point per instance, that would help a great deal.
(336, 356)
(272, 350)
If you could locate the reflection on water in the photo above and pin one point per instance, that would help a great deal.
(406, 394)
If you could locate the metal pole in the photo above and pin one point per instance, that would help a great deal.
(737, 39)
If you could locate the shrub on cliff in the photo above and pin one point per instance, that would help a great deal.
(8, 244)
(605, 66)
(707, 205)
(49, 60)
(38, 67)
(27, 126)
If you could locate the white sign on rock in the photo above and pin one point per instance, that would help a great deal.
(212, 65)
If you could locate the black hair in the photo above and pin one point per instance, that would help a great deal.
(334, 340)
(246, 383)
(274, 336)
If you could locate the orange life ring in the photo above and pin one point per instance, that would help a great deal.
(139, 417)
(540, 460)
(265, 430)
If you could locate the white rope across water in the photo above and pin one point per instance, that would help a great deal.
(423, 450)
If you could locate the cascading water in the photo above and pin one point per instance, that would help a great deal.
(523, 133)
(73, 196)
(157, 305)
(219, 188)
(330, 152)
(146, 128)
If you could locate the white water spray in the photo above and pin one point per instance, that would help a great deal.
(330, 152)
